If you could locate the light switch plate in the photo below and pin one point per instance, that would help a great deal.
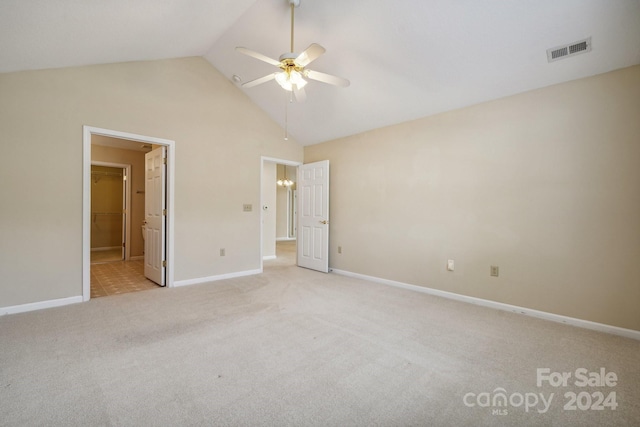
(450, 265)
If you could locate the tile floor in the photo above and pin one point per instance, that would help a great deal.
(105, 256)
(119, 277)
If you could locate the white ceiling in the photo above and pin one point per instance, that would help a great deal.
(405, 59)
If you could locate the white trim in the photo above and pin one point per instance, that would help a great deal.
(136, 258)
(268, 257)
(281, 161)
(285, 239)
(107, 248)
(200, 280)
(33, 306)
(87, 132)
(586, 324)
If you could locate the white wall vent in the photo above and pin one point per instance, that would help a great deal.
(567, 50)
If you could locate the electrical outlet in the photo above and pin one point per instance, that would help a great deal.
(223, 252)
(339, 249)
(450, 265)
(247, 207)
(495, 271)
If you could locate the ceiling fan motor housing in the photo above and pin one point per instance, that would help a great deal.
(293, 65)
(292, 56)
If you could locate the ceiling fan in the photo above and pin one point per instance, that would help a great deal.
(293, 67)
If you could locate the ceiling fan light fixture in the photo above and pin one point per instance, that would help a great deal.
(293, 73)
(295, 77)
(284, 81)
(287, 79)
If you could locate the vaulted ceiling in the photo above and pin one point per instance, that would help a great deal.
(405, 59)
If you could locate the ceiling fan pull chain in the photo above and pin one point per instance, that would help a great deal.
(293, 73)
(286, 120)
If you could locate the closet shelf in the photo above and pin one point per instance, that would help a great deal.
(102, 173)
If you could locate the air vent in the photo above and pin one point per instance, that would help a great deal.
(565, 51)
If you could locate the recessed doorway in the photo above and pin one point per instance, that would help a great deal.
(128, 273)
(278, 212)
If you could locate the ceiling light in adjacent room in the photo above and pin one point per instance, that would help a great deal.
(285, 182)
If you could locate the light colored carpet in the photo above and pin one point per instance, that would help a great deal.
(297, 347)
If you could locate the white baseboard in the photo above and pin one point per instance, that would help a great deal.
(23, 308)
(199, 280)
(285, 239)
(107, 248)
(136, 258)
(268, 257)
(586, 324)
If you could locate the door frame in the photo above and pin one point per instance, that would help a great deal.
(277, 161)
(292, 213)
(87, 132)
(127, 202)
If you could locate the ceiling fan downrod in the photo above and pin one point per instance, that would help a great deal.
(293, 4)
(294, 73)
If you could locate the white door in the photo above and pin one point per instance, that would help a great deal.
(155, 215)
(313, 216)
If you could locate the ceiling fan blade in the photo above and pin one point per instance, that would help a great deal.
(299, 93)
(257, 55)
(327, 78)
(310, 54)
(260, 80)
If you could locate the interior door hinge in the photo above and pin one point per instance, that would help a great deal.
(164, 160)
(164, 212)
(164, 263)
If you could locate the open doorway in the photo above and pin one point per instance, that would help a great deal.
(117, 254)
(110, 211)
(134, 256)
(278, 212)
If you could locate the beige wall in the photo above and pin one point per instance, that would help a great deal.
(281, 216)
(545, 185)
(217, 131)
(136, 160)
(282, 204)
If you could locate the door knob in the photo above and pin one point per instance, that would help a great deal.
(324, 222)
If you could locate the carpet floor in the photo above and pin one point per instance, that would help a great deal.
(293, 347)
